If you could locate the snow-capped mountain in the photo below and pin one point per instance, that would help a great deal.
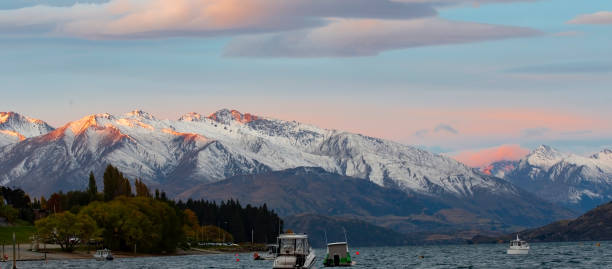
(176, 154)
(568, 179)
(499, 169)
(15, 127)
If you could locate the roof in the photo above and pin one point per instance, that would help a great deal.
(293, 236)
(337, 243)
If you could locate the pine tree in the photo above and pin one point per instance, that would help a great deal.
(93, 188)
(115, 184)
(141, 189)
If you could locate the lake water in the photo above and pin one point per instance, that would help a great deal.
(545, 255)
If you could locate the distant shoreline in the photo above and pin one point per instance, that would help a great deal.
(54, 253)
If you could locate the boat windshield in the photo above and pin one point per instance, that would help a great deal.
(293, 246)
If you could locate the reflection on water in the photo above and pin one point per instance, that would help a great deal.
(548, 255)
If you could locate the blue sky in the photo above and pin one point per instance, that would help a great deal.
(492, 71)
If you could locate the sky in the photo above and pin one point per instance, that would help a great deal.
(481, 80)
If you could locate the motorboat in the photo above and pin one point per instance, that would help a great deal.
(338, 255)
(103, 255)
(294, 251)
(270, 255)
(518, 246)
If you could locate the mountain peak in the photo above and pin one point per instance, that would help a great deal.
(12, 116)
(79, 126)
(137, 113)
(191, 116)
(227, 116)
(544, 156)
(15, 127)
(604, 154)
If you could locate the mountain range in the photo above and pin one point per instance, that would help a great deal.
(574, 181)
(178, 154)
(297, 168)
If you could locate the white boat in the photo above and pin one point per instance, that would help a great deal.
(518, 246)
(294, 251)
(103, 255)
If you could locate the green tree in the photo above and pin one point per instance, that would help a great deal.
(11, 214)
(152, 225)
(115, 184)
(62, 228)
(93, 188)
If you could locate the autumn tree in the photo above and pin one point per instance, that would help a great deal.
(141, 189)
(62, 228)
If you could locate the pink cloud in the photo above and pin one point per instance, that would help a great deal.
(602, 17)
(277, 28)
(123, 19)
(366, 37)
(484, 157)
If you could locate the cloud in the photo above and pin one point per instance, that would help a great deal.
(440, 130)
(421, 133)
(13, 4)
(475, 3)
(118, 19)
(568, 34)
(602, 17)
(445, 128)
(261, 28)
(533, 132)
(565, 68)
(483, 157)
(577, 133)
(369, 37)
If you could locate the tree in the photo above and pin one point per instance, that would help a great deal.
(93, 188)
(54, 204)
(66, 229)
(43, 203)
(215, 234)
(190, 223)
(141, 189)
(152, 225)
(11, 214)
(115, 184)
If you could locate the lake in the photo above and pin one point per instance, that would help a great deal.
(542, 255)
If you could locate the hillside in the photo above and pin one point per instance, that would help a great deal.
(313, 190)
(358, 232)
(595, 225)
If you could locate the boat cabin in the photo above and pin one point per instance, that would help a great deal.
(518, 243)
(337, 255)
(293, 244)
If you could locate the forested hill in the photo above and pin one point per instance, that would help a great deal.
(238, 220)
(595, 225)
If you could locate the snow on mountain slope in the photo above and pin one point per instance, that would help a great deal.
(15, 127)
(576, 181)
(177, 154)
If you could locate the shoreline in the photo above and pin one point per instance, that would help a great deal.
(25, 254)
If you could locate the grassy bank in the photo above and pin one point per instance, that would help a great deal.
(22, 230)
